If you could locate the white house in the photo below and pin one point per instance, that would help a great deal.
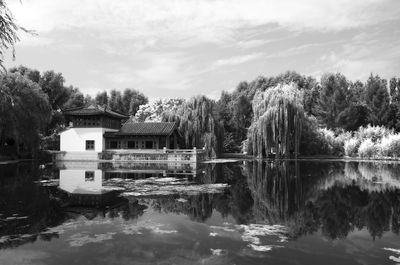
(93, 130)
(86, 128)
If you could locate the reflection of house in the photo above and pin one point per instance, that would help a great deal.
(96, 133)
(84, 187)
(83, 182)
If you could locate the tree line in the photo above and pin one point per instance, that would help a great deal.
(334, 102)
(287, 110)
(31, 105)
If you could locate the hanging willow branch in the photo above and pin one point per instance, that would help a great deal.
(198, 124)
(8, 31)
(276, 126)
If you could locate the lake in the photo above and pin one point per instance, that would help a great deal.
(244, 212)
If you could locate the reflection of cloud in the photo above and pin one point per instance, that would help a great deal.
(19, 256)
(78, 240)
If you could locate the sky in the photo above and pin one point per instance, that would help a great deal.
(182, 48)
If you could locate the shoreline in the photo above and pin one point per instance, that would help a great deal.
(241, 156)
(311, 158)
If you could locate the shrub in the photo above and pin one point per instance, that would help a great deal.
(374, 133)
(334, 140)
(351, 146)
(368, 149)
(390, 146)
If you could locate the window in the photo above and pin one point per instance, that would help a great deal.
(149, 144)
(90, 145)
(89, 176)
(131, 144)
(113, 145)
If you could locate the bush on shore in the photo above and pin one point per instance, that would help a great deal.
(373, 142)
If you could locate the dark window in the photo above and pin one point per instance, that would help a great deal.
(89, 145)
(113, 145)
(131, 144)
(89, 175)
(149, 144)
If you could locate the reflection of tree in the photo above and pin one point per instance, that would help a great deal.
(335, 211)
(197, 207)
(36, 208)
(279, 189)
(378, 214)
(335, 197)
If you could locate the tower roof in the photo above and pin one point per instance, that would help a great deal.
(94, 110)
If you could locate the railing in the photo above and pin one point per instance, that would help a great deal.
(158, 151)
(171, 155)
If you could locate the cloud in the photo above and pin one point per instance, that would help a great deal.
(185, 47)
(236, 60)
(157, 71)
(202, 20)
(364, 53)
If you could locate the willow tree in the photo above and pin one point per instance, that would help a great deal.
(277, 121)
(198, 124)
(24, 111)
(8, 31)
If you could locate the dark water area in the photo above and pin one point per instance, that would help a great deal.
(247, 212)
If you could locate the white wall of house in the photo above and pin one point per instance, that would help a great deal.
(74, 139)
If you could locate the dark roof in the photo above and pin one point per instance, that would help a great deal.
(93, 110)
(147, 128)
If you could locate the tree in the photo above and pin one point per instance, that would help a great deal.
(25, 111)
(75, 100)
(241, 117)
(332, 100)
(8, 31)
(53, 85)
(198, 124)
(276, 126)
(131, 100)
(354, 117)
(394, 88)
(115, 101)
(154, 111)
(101, 98)
(377, 98)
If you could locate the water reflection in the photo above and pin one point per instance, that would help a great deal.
(337, 198)
(244, 202)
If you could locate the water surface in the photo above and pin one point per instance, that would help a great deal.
(247, 212)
